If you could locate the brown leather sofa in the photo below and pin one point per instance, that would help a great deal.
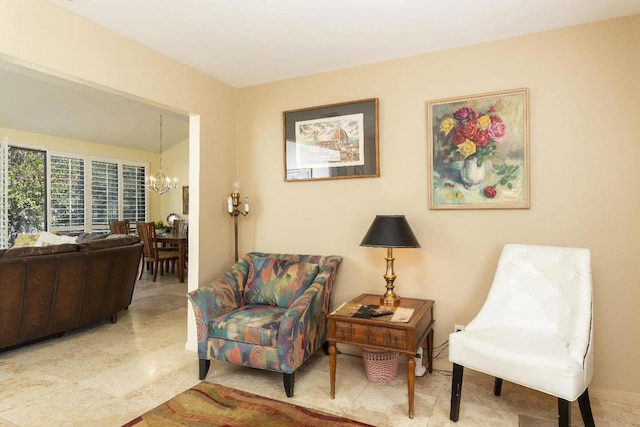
(45, 291)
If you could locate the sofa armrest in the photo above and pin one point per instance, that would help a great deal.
(303, 326)
(327, 277)
(213, 299)
(298, 334)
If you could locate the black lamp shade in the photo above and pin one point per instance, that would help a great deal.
(390, 231)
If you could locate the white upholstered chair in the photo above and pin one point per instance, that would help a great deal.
(535, 328)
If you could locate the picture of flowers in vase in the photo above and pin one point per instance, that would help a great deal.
(479, 151)
(474, 136)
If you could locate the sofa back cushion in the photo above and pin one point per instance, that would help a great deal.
(278, 282)
(109, 241)
(39, 250)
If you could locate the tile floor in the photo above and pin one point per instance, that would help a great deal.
(107, 374)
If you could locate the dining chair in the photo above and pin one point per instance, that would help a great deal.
(157, 258)
(180, 226)
(535, 328)
(119, 227)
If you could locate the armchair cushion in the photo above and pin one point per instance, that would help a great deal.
(277, 282)
(255, 324)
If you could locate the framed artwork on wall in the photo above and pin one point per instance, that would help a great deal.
(478, 151)
(332, 141)
(185, 199)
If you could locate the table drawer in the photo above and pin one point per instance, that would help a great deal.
(352, 332)
(370, 335)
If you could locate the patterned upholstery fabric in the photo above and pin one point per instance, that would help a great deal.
(254, 324)
(265, 336)
(276, 281)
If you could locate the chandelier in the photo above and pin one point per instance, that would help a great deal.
(160, 183)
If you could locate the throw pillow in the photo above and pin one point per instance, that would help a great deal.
(24, 240)
(49, 239)
(279, 282)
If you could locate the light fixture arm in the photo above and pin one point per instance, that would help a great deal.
(160, 183)
(233, 209)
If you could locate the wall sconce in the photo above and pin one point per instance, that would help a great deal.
(233, 209)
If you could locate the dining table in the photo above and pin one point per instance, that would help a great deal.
(181, 240)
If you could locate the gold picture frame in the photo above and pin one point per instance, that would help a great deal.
(478, 151)
(185, 199)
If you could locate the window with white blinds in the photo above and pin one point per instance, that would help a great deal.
(87, 191)
(4, 193)
(134, 198)
(104, 193)
(66, 193)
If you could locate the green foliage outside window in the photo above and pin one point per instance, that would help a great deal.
(27, 191)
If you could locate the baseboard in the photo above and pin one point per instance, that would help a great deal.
(618, 396)
(191, 346)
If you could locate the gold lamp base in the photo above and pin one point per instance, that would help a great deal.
(390, 299)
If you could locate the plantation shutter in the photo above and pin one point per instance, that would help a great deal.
(67, 198)
(104, 193)
(134, 198)
(4, 193)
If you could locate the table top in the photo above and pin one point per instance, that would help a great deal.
(420, 306)
(167, 237)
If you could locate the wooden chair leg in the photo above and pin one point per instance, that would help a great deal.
(497, 386)
(585, 409)
(155, 270)
(564, 413)
(456, 392)
(289, 381)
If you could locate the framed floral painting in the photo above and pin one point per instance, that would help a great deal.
(478, 148)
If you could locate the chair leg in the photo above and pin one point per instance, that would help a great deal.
(585, 409)
(203, 368)
(155, 267)
(289, 380)
(456, 392)
(564, 413)
(497, 386)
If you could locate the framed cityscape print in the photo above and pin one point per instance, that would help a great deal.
(478, 149)
(332, 141)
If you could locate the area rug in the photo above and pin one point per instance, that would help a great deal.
(208, 404)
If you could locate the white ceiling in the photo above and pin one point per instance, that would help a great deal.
(249, 42)
(40, 103)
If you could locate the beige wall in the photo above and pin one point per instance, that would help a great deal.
(583, 84)
(42, 36)
(175, 162)
(584, 91)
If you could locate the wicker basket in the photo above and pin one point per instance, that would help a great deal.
(381, 365)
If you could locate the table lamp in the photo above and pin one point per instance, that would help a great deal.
(390, 231)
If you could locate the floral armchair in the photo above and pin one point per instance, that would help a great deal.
(269, 311)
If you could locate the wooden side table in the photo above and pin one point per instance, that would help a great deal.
(380, 333)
